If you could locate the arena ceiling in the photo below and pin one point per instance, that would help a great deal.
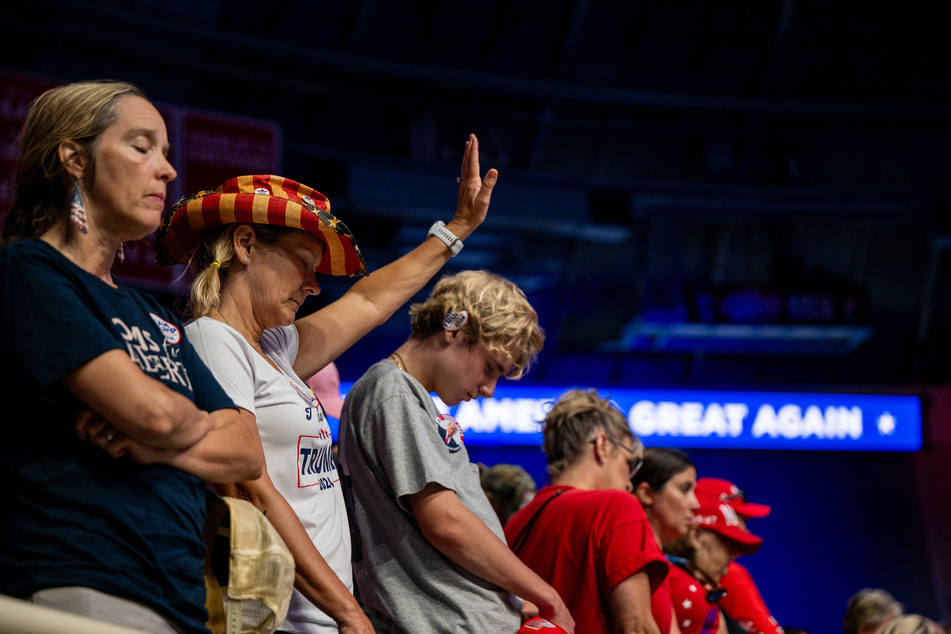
(653, 154)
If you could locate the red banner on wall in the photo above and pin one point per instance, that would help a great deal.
(216, 147)
(17, 92)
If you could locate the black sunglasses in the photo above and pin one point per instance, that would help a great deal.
(635, 464)
(714, 591)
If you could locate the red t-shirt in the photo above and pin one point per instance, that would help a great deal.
(661, 606)
(584, 543)
(695, 614)
(744, 603)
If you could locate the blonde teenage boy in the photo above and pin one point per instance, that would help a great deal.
(430, 553)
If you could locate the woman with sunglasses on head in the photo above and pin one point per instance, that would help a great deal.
(256, 244)
(584, 533)
(665, 486)
(700, 558)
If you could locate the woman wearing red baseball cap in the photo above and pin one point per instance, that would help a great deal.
(701, 558)
(743, 602)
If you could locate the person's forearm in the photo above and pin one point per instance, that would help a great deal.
(460, 535)
(230, 452)
(477, 549)
(139, 406)
(391, 286)
(325, 334)
(631, 605)
(174, 423)
(314, 577)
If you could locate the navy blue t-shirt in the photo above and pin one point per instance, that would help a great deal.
(70, 515)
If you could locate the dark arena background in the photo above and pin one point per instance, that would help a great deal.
(703, 200)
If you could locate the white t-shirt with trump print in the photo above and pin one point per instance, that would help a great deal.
(296, 439)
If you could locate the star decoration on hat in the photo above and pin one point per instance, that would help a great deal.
(686, 624)
(692, 587)
(687, 604)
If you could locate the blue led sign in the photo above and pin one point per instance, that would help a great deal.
(712, 419)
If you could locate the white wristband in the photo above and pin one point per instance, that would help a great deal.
(440, 231)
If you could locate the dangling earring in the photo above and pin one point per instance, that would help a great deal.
(77, 210)
(120, 252)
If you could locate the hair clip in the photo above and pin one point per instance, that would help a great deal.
(456, 320)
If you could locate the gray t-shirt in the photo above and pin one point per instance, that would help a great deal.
(393, 442)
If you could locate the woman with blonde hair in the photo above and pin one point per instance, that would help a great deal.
(911, 624)
(91, 364)
(869, 610)
(585, 533)
(257, 244)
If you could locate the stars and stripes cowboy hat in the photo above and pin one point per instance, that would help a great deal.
(263, 200)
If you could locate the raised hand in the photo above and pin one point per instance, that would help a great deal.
(475, 192)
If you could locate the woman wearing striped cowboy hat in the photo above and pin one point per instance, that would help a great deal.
(255, 244)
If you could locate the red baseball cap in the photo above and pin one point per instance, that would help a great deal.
(538, 624)
(720, 517)
(726, 491)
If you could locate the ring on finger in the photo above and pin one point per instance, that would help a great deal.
(460, 178)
